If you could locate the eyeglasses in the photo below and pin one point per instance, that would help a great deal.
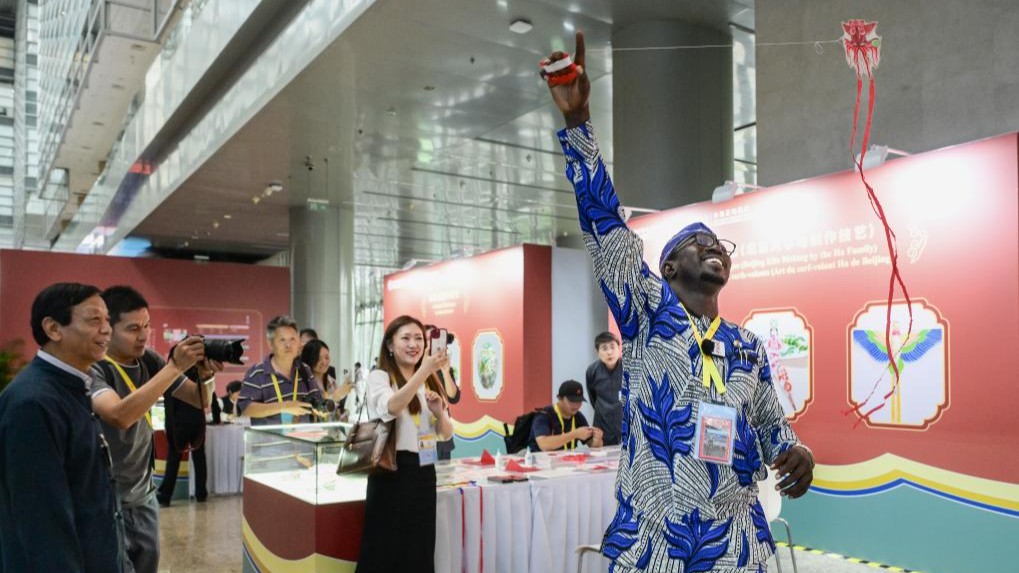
(707, 241)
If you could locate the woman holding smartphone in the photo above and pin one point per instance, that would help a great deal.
(399, 520)
(448, 379)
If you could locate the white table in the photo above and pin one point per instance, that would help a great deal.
(224, 458)
(532, 526)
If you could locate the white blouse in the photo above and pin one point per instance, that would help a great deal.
(380, 390)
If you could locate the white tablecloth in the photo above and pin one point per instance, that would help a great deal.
(527, 527)
(224, 451)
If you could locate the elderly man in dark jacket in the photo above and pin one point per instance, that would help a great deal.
(58, 510)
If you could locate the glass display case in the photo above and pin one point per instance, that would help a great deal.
(300, 460)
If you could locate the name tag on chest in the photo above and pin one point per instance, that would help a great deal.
(715, 433)
(427, 454)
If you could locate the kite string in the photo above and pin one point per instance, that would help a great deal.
(818, 46)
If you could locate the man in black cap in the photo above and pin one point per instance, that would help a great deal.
(549, 429)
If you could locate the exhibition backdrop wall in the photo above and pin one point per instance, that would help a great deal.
(214, 299)
(930, 480)
(499, 306)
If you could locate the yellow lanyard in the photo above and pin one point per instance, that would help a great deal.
(130, 384)
(709, 372)
(276, 385)
(572, 445)
(417, 419)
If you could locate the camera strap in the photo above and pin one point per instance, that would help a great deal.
(130, 384)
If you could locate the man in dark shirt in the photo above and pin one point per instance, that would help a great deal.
(549, 428)
(604, 382)
(233, 393)
(58, 510)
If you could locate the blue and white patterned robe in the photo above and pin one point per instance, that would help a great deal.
(675, 513)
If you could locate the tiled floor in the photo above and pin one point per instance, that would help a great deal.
(206, 538)
(201, 537)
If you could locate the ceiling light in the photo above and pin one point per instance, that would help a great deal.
(725, 191)
(256, 199)
(877, 155)
(521, 26)
(228, 216)
(215, 224)
(276, 186)
(568, 25)
(729, 190)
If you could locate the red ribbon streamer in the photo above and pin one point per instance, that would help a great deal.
(463, 530)
(481, 530)
(896, 276)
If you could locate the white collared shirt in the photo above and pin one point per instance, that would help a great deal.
(380, 390)
(85, 377)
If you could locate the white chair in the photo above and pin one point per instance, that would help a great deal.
(583, 550)
(771, 501)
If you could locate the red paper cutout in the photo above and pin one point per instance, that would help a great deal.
(515, 466)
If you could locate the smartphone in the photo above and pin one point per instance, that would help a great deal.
(438, 342)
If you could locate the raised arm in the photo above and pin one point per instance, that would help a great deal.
(617, 253)
(124, 412)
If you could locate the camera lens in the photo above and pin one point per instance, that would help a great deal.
(225, 351)
(322, 405)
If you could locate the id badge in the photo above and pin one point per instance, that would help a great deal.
(715, 433)
(427, 454)
(286, 418)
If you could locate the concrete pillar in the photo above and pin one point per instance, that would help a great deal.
(322, 276)
(672, 114)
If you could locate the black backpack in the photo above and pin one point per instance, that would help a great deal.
(521, 435)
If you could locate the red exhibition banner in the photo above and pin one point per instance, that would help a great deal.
(498, 307)
(810, 276)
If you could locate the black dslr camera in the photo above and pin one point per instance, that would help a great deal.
(322, 405)
(224, 350)
(220, 350)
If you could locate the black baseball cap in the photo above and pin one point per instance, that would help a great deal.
(572, 391)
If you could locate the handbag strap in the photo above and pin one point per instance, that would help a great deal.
(364, 403)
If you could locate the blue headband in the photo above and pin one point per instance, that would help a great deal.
(683, 234)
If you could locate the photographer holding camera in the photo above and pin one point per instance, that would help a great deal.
(125, 385)
(281, 389)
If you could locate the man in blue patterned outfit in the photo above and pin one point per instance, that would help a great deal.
(700, 415)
